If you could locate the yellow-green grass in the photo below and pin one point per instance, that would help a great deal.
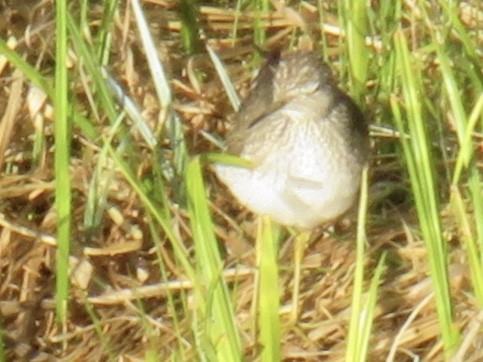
(117, 241)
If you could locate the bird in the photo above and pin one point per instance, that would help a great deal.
(305, 139)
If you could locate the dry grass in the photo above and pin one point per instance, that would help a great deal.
(119, 297)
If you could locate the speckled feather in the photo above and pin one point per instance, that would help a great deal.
(307, 140)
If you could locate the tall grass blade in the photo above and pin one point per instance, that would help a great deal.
(268, 292)
(62, 164)
(163, 91)
(420, 165)
(225, 79)
(29, 71)
(216, 315)
(158, 74)
(362, 312)
(190, 29)
(261, 9)
(471, 235)
(162, 216)
(353, 15)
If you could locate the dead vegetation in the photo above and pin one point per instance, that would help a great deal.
(121, 302)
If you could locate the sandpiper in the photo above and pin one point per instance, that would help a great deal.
(307, 141)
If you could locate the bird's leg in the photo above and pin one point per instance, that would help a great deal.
(301, 239)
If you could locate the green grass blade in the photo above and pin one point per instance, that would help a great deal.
(472, 248)
(227, 159)
(45, 84)
(175, 311)
(62, 164)
(370, 307)
(160, 79)
(467, 147)
(104, 36)
(234, 32)
(420, 165)
(214, 305)
(30, 72)
(353, 16)
(225, 79)
(103, 337)
(360, 323)
(93, 67)
(132, 110)
(268, 292)
(452, 12)
(465, 127)
(261, 9)
(168, 117)
(2, 343)
(190, 29)
(162, 216)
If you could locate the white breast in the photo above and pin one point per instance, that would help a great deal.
(300, 183)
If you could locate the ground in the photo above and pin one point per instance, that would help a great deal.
(130, 296)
